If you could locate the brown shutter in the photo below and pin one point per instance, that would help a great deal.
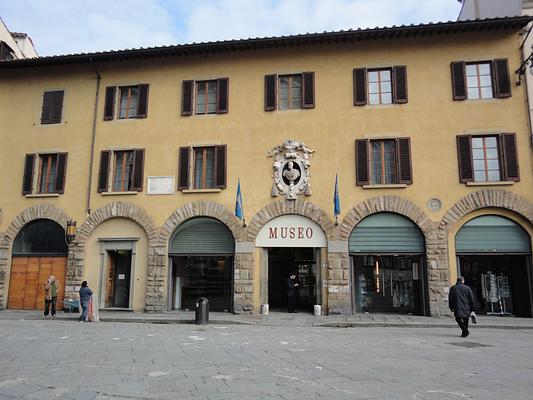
(186, 97)
(45, 112)
(361, 162)
(222, 95)
(510, 157)
(52, 107)
(502, 83)
(359, 87)
(27, 180)
(138, 170)
(270, 92)
(308, 90)
(142, 105)
(399, 78)
(405, 172)
(109, 107)
(103, 174)
(464, 156)
(183, 173)
(220, 166)
(61, 172)
(458, 80)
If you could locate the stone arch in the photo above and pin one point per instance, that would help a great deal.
(486, 198)
(201, 209)
(41, 211)
(394, 204)
(284, 207)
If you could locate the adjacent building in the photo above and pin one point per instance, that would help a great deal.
(123, 168)
(15, 45)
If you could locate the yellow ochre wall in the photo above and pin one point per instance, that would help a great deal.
(431, 119)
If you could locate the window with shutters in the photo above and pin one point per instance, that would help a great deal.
(44, 174)
(290, 92)
(52, 107)
(488, 158)
(205, 97)
(121, 171)
(202, 168)
(380, 86)
(128, 101)
(479, 81)
(383, 162)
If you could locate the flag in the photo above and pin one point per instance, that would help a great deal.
(239, 212)
(336, 199)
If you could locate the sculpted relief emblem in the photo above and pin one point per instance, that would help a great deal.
(291, 169)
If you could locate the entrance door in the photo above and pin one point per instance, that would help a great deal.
(28, 276)
(282, 261)
(118, 279)
(389, 284)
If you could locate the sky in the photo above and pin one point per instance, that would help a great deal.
(79, 26)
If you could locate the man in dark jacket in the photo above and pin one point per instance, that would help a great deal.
(85, 297)
(461, 302)
(292, 292)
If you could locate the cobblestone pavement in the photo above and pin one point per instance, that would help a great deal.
(66, 360)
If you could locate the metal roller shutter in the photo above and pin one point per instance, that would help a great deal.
(202, 236)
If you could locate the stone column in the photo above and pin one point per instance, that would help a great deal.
(4, 270)
(156, 280)
(244, 287)
(339, 292)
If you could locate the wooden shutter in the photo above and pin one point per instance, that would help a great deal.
(405, 172)
(361, 162)
(220, 167)
(27, 180)
(187, 97)
(399, 79)
(142, 105)
(510, 157)
(222, 95)
(308, 90)
(52, 107)
(184, 163)
(109, 107)
(359, 87)
(103, 173)
(464, 156)
(61, 172)
(138, 170)
(502, 83)
(270, 92)
(458, 80)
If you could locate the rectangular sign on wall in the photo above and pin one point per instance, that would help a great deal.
(160, 185)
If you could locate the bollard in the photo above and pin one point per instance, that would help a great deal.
(264, 309)
(318, 310)
(201, 312)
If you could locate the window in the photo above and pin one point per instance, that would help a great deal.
(380, 85)
(480, 80)
(52, 107)
(383, 161)
(205, 97)
(202, 167)
(487, 158)
(126, 174)
(50, 170)
(6, 52)
(132, 102)
(290, 92)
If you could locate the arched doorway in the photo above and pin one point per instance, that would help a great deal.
(291, 244)
(494, 256)
(39, 250)
(389, 274)
(201, 252)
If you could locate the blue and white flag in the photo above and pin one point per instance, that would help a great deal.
(239, 212)
(336, 199)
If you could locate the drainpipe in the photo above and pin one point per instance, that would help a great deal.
(93, 138)
(523, 70)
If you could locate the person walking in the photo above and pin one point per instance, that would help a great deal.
(292, 292)
(85, 297)
(50, 296)
(461, 303)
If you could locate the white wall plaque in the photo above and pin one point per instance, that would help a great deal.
(291, 231)
(160, 185)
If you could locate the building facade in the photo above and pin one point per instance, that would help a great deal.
(423, 125)
(15, 45)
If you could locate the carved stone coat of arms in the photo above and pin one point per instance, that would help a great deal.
(291, 169)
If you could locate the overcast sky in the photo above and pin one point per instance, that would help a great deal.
(75, 26)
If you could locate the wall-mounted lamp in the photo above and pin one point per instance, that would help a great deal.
(70, 234)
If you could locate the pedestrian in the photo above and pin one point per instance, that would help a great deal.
(292, 292)
(50, 296)
(461, 303)
(85, 297)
